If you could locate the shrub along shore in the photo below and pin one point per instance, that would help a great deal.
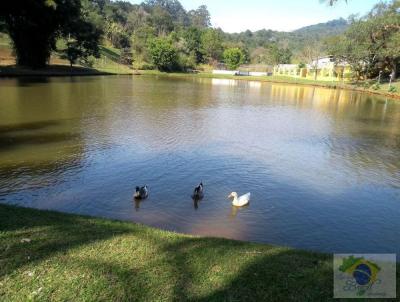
(50, 256)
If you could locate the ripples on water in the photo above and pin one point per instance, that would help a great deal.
(322, 165)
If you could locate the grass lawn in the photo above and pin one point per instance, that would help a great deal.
(108, 63)
(48, 256)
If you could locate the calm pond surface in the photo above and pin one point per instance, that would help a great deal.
(323, 166)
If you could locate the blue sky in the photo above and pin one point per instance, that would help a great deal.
(284, 15)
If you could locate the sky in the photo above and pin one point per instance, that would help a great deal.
(282, 15)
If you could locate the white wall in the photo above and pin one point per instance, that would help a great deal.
(234, 72)
(258, 74)
(227, 72)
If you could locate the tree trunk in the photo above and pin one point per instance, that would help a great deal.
(394, 72)
(32, 44)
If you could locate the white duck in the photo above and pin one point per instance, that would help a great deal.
(240, 201)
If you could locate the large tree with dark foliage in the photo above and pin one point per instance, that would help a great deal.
(34, 26)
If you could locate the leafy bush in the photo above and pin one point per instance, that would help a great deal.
(163, 54)
(301, 65)
(186, 61)
(376, 86)
(233, 57)
(367, 84)
(392, 89)
(142, 65)
(87, 61)
(72, 52)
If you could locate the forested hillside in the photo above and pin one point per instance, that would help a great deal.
(272, 47)
(196, 41)
(163, 34)
(322, 30)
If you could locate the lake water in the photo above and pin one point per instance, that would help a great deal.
(323, 166)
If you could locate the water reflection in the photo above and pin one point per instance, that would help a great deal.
(196, 203)
(224, 82)
(137, 203)
(318, 162)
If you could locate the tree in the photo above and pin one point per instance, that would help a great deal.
(136, 19)
(271, 55)
(211, 41)
(72, 52)
(312, 53)
(243, 48)
(233, 57)
(200, 17)
(371, 44)
(116, 34)
(173, 8)
(162, 21)
(192, 41)
(258, 55)
(163, 54)
(34, 26)
(140, 41)
(347, 49)
(279, 55)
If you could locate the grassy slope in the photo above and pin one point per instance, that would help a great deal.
(108, 63)
(75, 258)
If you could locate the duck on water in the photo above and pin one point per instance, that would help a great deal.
(141, 192)
(198, 192)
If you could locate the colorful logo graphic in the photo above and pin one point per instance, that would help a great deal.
(363, 274)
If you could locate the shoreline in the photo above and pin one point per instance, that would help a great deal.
(66, 71)
(55, 71)
(58, 256)
(279, 80)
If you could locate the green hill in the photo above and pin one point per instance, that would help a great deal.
(320, 30)
(295, 40)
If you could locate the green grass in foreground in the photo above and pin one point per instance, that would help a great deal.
(48, 256)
